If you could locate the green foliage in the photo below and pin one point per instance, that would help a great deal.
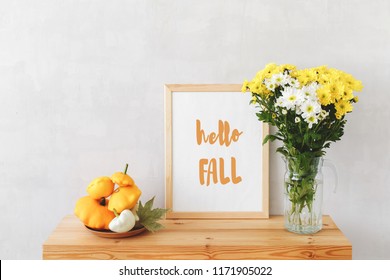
(297, 136)
(148, 216)
(300, 182)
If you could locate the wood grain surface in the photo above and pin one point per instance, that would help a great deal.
(201, 239)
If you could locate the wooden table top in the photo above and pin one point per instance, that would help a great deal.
(201, 239)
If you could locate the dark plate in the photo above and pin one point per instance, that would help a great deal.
(110, 234)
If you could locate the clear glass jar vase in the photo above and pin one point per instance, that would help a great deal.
(303, 192)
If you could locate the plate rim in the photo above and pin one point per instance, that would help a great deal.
(110, 234)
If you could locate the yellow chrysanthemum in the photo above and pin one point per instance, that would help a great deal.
(305, 76)
(335, 83)
(288, 67)
(323, 79)
(265, 91)
(259, 76)
(335, 86)
(347, 94)
(244, 87)
(351, 82)
(254, 87)
(336, 90)
(342, 107)
(324, 96)
(333, 77)
(357, 85)
(322, 70)
(269, 70)
(254, 99)
(270, 66)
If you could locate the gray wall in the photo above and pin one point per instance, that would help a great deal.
(81, 90)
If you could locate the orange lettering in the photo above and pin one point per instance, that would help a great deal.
(217, 173)
(200, 133)
(223, 135)
(202, 170)
(235, 179)
(224, 180)
(213, 137)
(223, 127)
(235, 135)
(212, 170)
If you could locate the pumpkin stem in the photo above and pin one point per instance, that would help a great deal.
(127, 165)
(116, 213)
(102, 201)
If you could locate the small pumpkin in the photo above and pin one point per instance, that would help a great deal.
(101, 187)
(124, 198)
(94, 213)
(122, 179)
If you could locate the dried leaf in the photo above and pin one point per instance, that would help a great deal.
(148, 216)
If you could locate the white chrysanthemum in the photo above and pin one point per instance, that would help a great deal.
(269, 84)
(312, 119)
(297, 119)
(310, 108)
(279, 79)
(280, 102)
(323, 114)
(292, 82)
(292, 97)
(300, 98)
(309, 91)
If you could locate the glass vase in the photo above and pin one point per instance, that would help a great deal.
(303, 192)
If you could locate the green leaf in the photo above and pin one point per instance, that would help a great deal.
(148, 216)
(269, 137)
(282, 151)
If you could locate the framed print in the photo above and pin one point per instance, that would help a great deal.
(216, 166)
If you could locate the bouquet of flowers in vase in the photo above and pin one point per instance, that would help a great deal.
(308, 108)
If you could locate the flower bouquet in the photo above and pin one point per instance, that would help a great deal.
(308, 108)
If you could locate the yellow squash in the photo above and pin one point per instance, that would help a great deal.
(124, 198)
(101, 187)
(94, 213)
(122, 179)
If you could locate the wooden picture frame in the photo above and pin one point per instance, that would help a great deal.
(202, 189)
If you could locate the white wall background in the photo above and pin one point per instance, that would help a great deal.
(81, 93)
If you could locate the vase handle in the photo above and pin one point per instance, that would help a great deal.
(330, 165)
